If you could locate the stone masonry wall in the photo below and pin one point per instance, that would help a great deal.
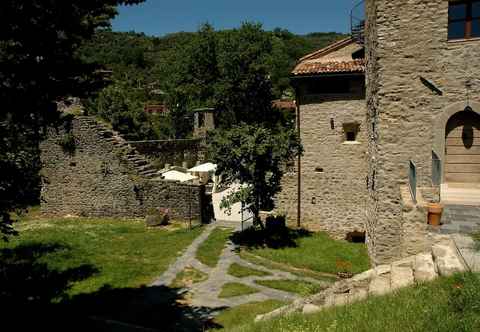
(173, 152)
(103, 176)
(407, 41)
(333, 187)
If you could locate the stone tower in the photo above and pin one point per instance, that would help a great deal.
(421, 71)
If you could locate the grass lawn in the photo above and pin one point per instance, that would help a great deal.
(301, 272)
(318, 253)
(232, 289)
(447, 304)
(210, 250)
(241, 271)
(301, 287)
(98, 252)
(242, 314)
(188, 277)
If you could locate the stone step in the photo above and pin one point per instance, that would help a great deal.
(140, 162)
(424, 268)
(148, 174)
(446, 259)
(401, 276)
(381, 281)
(105, 134)
(145, 168)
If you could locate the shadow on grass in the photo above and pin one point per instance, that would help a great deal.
(276, 238)
(33, 295)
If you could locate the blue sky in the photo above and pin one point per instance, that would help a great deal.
(159, 17)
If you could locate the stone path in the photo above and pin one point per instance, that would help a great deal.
(449, 255)
(206, 294)
(460, 219)
(468, 250)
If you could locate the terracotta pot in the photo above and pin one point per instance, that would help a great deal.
(435, 211)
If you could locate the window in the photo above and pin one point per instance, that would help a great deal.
(464, 19)
(328, 85)
(351, 136)
(351, 131)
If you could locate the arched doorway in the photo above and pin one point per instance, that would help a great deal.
(462, 148)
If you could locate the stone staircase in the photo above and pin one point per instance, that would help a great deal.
(443, 259)
(460, 194)
(135, 160)
(460, 219)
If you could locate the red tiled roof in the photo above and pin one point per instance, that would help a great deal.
(309, 68)
(328, 49)
(156, 109)
(335, 58)
(284, 104)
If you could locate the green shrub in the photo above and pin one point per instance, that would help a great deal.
(68, 144)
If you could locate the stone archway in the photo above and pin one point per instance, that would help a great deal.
(440, 129)
(462, 148)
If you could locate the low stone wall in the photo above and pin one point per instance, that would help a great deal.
(88, 170)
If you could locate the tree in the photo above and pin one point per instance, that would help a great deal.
(39, 65)
(253, 156)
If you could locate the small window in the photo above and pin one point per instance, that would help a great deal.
(463, 19)
(351, 136)
(351, 131)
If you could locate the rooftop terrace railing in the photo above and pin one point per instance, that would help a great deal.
(357, 22)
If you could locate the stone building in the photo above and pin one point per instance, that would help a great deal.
(423, 116)
(330, 89)
(419, 132)
(89, 170)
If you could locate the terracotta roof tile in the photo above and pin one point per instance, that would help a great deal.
(309, 68)
(284, 104)
(335, 58)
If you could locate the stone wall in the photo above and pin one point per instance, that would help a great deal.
(177, 152)
(100, 175)
(406, 46)
(333, 171)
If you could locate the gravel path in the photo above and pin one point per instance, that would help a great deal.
(205, 294)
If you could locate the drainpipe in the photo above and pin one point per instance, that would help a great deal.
(299, 162)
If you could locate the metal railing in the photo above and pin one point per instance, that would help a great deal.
(412, 178)
(357, 22)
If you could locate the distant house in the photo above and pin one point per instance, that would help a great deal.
(156, 109)
(284, 104)
(330, 89)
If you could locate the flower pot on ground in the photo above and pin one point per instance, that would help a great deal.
(435, 211)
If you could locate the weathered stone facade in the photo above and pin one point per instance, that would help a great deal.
(333, 168)
(416, 80)
(100, 175)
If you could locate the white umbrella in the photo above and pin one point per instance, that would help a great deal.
(203, 168)
(178, 176)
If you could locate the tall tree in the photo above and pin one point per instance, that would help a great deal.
(39, 65)
(253, 156)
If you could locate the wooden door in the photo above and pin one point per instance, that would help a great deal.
(462, 143)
